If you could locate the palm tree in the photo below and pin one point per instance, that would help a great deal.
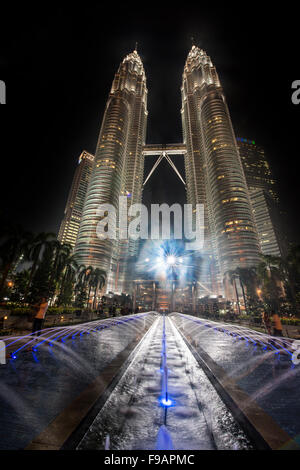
(50, 270)
(34, 254)
(269, 272)
(85, 277)
(233, 275)
(247, 277)
(291, 266)
(293, 257)
(271, 262)
(20, 282)
(98, 281)
(68, 280)
(61, 254)
(270, 268)
(41, 285)
(16, 242)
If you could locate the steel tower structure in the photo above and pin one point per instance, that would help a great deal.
(214, 172)
(118, 170)
(73, 212)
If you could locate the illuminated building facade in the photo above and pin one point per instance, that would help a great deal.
(264, 198)
(70, 224)
(214, 175)
(154, 295)
(268, 223)
(118, 171)
(214, 172)
(256, 167)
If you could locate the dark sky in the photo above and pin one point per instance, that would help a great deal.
(58, 64)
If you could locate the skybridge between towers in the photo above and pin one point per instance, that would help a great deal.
(170, 149)
(164, 151)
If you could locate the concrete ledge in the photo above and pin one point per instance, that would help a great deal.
(66, 430)
(262, 430)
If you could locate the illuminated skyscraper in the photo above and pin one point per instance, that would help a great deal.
(268, 223)
(118, 170)
(264, 198)
(214, 172)
(70, 224)
(256, 167)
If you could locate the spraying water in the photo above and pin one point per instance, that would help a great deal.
(107, 442)
(164, 440)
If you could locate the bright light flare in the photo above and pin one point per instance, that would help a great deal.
(164, 259)
(171, 260)
(166, 402)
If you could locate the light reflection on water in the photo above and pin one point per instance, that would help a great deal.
(133, 415)
(38, 385)
(261, 366)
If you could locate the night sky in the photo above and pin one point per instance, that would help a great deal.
(58, 64)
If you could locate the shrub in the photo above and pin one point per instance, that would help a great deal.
(7, 332)
(290, 321)
(19, 311)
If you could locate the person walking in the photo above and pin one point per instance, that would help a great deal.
(267, 322)
(100, 311)
(38, 320)
(277, 326)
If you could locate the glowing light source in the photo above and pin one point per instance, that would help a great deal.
(166, 402)
(171, 260)
(164, 260)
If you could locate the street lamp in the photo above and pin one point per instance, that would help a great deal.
(258, 292)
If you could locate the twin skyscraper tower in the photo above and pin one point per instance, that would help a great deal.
(214, 174)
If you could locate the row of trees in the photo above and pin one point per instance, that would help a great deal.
(33, 266)
(273, 285)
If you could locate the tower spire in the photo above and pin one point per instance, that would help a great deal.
(136, 46)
